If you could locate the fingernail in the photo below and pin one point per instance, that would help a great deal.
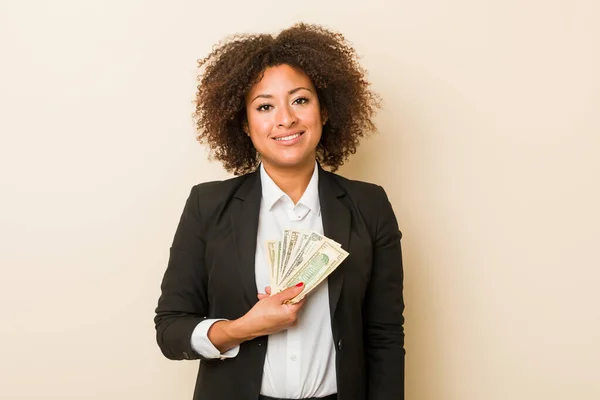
(299, 284)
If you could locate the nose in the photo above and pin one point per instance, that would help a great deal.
(286, 117)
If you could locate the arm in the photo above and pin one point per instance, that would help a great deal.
(183, 304)
(206, 345)
(183, 301)
(384, 306)
(270, 315)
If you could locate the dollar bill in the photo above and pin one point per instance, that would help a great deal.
(302, 256)
(313, 242)
(284, 245)
(324, 274)
(290, 240)
(303, 237)
(274, 286)
(271, 260)
(320, 264)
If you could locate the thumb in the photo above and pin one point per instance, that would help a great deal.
(290, 292)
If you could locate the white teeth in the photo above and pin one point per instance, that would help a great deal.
(288, 137)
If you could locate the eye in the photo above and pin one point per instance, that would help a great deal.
(301, 100)
(264, 107)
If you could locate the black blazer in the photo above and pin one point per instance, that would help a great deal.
(211, 275)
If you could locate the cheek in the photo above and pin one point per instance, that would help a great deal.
(317, 135)
(316, 126)
(259, 133)
(260, 126)
(312, 117)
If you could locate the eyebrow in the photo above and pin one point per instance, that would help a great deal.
(270, 96)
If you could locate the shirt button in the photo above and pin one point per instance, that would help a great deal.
(293, 357)
(340, 344)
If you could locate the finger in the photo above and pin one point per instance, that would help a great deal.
(268, 290)
(262, 296)
(297, 305)
(290, 292)
(300, 303)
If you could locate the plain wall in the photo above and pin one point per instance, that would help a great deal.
(488, 148)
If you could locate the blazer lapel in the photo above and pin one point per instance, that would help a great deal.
(336, 226)
(245, 209)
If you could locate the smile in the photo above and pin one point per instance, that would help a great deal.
(290, 137)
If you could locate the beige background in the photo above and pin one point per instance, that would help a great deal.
(488, 149)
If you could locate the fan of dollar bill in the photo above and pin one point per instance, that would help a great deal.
(302, 256)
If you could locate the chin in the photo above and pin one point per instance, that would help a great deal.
(291, 162)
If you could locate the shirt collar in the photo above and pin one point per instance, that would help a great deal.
(271, 193)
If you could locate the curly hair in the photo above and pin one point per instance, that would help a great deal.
(234, 66)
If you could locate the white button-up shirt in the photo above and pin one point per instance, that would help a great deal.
(300, 361)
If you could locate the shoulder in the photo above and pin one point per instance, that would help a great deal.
(213, 196)
(213, 188)
(368, 200)
(360, 192)
(373, 206)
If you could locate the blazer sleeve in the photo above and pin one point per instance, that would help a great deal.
(183, 302)
(384, 307)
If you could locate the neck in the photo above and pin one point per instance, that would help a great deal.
(292, 181)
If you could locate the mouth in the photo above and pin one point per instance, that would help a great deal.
(289, 137)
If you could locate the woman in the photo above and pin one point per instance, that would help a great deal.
(274, 110)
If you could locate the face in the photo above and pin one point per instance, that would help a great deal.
(284, 118)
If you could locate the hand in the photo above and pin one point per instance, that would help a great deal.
(266, 294)
(272, 313)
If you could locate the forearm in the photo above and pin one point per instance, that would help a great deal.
(270, 315)
(225, 335)
(386, 383)
(173, 332)
(385, 356)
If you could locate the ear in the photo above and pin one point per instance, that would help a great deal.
(245, 127)
(324, 116)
